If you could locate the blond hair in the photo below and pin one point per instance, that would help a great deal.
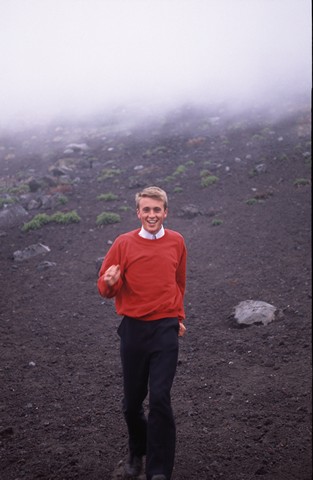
(152, 192)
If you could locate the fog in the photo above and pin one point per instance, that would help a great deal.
(79, 57)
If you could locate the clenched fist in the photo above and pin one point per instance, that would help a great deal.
(112, 275)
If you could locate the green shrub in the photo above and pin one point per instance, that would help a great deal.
(178, 190)
(6, 201)
(107, 197)
(106, 218)
(42, 219)
(23, 188)
(190, 163)
(37, 222)
(251, 201)
(209, 180)
(62, 199)
(169, 178)
(257, 137)
(179, 170)
(216, 222)
(108, 173)
(301, 181)
(65, 218)
(124, 208)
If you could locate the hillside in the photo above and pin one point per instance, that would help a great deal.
(240, 193)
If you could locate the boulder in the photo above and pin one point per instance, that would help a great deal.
(12, 216)
(249, 312)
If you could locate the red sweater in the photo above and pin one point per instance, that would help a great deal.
(153, 276)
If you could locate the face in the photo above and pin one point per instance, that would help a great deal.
(151, 213)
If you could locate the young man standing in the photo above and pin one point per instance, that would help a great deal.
(145, 270)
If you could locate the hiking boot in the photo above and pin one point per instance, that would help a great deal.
(133, 466)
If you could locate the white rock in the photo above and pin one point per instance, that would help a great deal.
(251, 312)
(31, 251)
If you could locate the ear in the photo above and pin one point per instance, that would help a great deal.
(165, 212)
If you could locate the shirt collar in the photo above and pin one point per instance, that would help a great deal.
(144, 234)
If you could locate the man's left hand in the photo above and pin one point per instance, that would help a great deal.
(182, 329)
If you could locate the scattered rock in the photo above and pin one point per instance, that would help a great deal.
(190, 211)
(76, 147)
(261, 168)
(31, 251)
(33, 204)
(34, 185)
(59, 171)
(45, 265)
(12, 215)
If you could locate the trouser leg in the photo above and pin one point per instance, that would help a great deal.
(135, 376)
(161, 434)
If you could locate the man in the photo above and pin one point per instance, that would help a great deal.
(145, 270)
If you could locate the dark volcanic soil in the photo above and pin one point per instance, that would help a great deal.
(242, 396)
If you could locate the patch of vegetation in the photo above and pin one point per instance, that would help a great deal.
(179, 170)
(299, 182)
(257, 137)
(208, 180)
(216, 222)
(19, 189)
(107, 173)
(125, 208)
(107, 218)
(190, 163)
(155, 151)
(62, 199)
(298, 148)
(65, 218)
(252, 201)
(107, 197)
(43, 219)
(205, 173)
(37, 222)
(307, 158)
(6, 201)
(178, 190)
(169, 178)
(266, 131)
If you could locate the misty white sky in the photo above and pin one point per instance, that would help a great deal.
(79, 56)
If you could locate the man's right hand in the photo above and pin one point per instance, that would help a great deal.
(112, 275)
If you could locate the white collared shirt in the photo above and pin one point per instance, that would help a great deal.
(144, 234)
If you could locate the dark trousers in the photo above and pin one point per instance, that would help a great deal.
(149, 352)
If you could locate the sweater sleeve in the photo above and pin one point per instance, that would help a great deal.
(111, 258)
(181, 273)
